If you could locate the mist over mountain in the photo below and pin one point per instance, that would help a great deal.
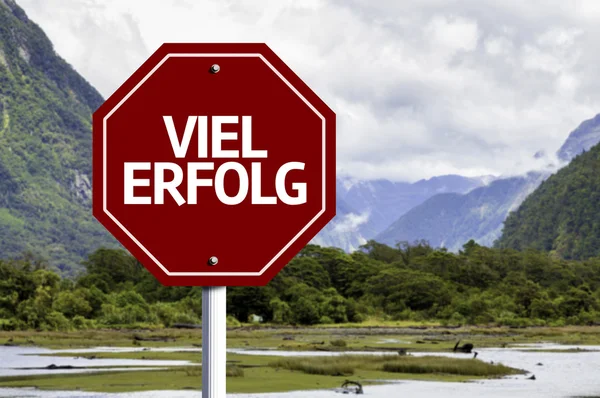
(344, 230)
(451, 220)
(366, 208)
(447, 210)
(384, 200)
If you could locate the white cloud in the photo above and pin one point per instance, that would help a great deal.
(421, 88)
(498, 45)
(350, 222)
(452, 34)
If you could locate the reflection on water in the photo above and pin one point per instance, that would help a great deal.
(560, 375)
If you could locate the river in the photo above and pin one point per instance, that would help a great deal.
(559, 375)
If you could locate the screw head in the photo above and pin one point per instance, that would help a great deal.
(213, 260)
(215, 68)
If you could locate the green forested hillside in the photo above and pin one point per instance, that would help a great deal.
(320, 286)
(563, 215)
(45, 148)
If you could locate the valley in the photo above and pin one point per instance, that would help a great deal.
(385, 294)
(293, 358)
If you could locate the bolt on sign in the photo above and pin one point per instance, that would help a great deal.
(214, 164)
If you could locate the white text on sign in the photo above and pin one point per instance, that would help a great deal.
(249, 181)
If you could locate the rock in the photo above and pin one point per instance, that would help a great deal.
(54, 367)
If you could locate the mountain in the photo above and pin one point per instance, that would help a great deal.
(562, 215)
(581, 139)
(384, 201)
(452, 220)
(45, 149)
(366, 208)
(45, 160)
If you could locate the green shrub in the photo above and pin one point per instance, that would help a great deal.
(457, 319)
(8, 325)
(81, 323)
(338, 343)
(55, 321)
(234, 371)
(232, 321)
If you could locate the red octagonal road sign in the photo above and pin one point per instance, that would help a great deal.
(214, 164)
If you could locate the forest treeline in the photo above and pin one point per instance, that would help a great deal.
(478, 285)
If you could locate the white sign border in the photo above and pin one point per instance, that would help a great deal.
(138, 243)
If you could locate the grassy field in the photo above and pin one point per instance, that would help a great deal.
(250, 373)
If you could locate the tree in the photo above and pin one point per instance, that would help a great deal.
(309, 271)
(282, 312)
(71, 304)
(306, 311)
(242, 301)
(115, 267)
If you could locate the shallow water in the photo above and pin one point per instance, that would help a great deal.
(12, 359)
(552, 346)
(562, 375)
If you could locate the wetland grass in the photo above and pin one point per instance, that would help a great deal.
(261, 374)
(325, 366)
(347, 365)
(445, 365)
(196, 371)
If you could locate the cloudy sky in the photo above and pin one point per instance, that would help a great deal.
(420, 88)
